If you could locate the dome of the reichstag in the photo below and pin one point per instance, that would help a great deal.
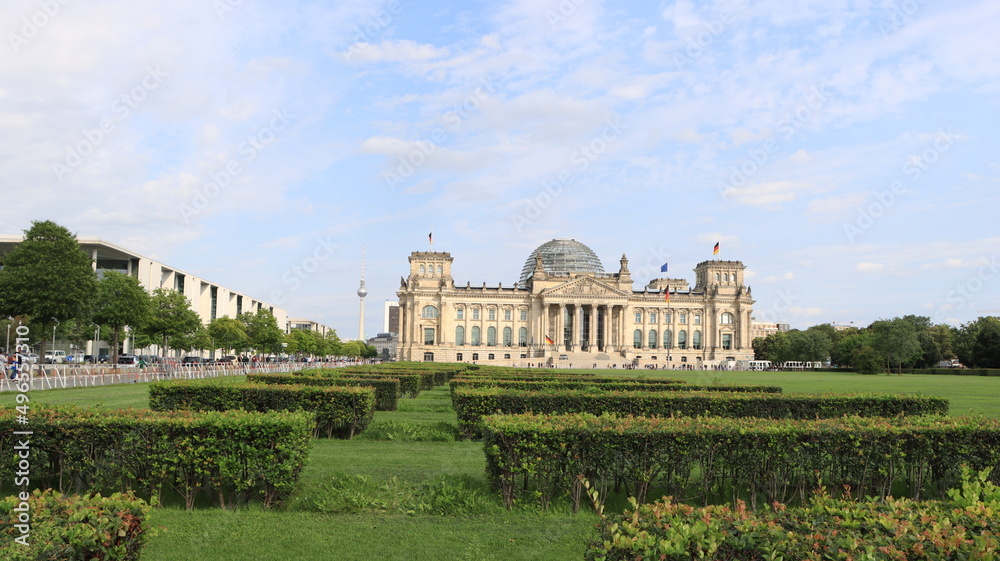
(562, 255)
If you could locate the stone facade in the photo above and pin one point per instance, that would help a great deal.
(578, 318)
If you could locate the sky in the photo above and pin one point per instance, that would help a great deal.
(847, 152)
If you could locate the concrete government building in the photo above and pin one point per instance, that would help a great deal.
(566, 310)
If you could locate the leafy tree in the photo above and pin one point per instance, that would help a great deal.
(228, 333)
(774, 347)
(301, 342)
(121, 301)
(846, 351)
(867, 360)
(172, 322)
(47, 277)
(977, 343)
(334, 343)
(352, 349)
(812, 345)
(263, 332)
(897, 341)
(202, 339)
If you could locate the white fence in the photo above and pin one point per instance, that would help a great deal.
(49, 378)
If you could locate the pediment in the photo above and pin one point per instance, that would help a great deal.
(584, 287)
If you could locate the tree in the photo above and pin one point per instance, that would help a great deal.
(897, 341)
(172, 323)
(774, 347)
(121, 301)
(228, 334)
(977, 343)
(867, 360)
(263, 332)
(334, 343)
(301, 342)
(47, 277)
(845, 353)
(811, 345)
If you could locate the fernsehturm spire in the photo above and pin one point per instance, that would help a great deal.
(362, 292)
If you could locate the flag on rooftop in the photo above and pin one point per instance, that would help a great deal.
(663, 269)
(715, 251)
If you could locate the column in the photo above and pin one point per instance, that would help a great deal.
(592, 332)
(560, 329)
(604, 328)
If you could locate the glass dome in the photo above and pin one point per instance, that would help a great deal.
(562, 255)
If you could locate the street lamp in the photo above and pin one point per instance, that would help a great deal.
(54, 340)
(10, 323)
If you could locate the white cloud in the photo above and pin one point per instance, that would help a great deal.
(869, 267)
(768, 195)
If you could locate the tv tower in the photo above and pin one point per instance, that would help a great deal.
(362, 292)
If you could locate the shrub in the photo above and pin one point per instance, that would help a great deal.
(339, 411)
(73, 527)
(472, 404)
(236, 456)
(824, 528)
(713, 458)
(386, 389)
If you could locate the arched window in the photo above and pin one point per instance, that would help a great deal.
(652, 338)
(439, 269)
(725, 277)
(429, 312)
(696, 340)
(637, 339)
(421, 269)
(476, 338)
(460, 335)
(507, 336)
(726, 318)
(718, 277)
(522, 337)
(667, 340)
(491, 337)
(682, 339)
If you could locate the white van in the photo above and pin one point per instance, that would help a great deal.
(55, 357)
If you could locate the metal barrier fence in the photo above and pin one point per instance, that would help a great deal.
(42, 378)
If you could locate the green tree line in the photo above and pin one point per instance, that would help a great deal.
(888, 344)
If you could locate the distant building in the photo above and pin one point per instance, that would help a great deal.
(565, 310)
(306, 324)
(390, 318)
(385, 344)
(209, 300)
(761, 329)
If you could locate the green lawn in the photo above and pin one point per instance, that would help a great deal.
(365, 499)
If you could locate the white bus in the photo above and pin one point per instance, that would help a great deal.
(753, 365)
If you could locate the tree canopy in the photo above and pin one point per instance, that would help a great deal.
(121, 301)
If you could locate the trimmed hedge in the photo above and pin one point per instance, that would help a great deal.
(73, 527)
(409, 384)
(607, 384)
(474, 403)
(956, 371)
(386, 390)
(232, 456)
(718, 460)
(341, 411)
(964, 527)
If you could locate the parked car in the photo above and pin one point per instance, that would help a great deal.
(128, 360)
(191, 361)
(228, 359)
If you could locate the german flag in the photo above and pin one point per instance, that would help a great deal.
(715, 251)
(549, 341)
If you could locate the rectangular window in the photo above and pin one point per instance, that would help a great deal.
(461, 313)
(697, 319)
(458, 357)
(666, 317)
(493, 314)
(652, 317)
(638, 317)
(428, 335)
(683, 318)
(727, 341)
(475, 313)
(506, 315)
(524, 315)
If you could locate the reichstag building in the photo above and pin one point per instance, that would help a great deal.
(567, 311)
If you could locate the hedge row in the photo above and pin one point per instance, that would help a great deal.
(387, 390)
(471, 404)
(618, 384)
(46, 525)
(957, 371)
(409, 384)
(339, 411)
(234, 455)
(965, 527)
(721, 459)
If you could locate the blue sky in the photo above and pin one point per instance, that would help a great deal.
(846, 152)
